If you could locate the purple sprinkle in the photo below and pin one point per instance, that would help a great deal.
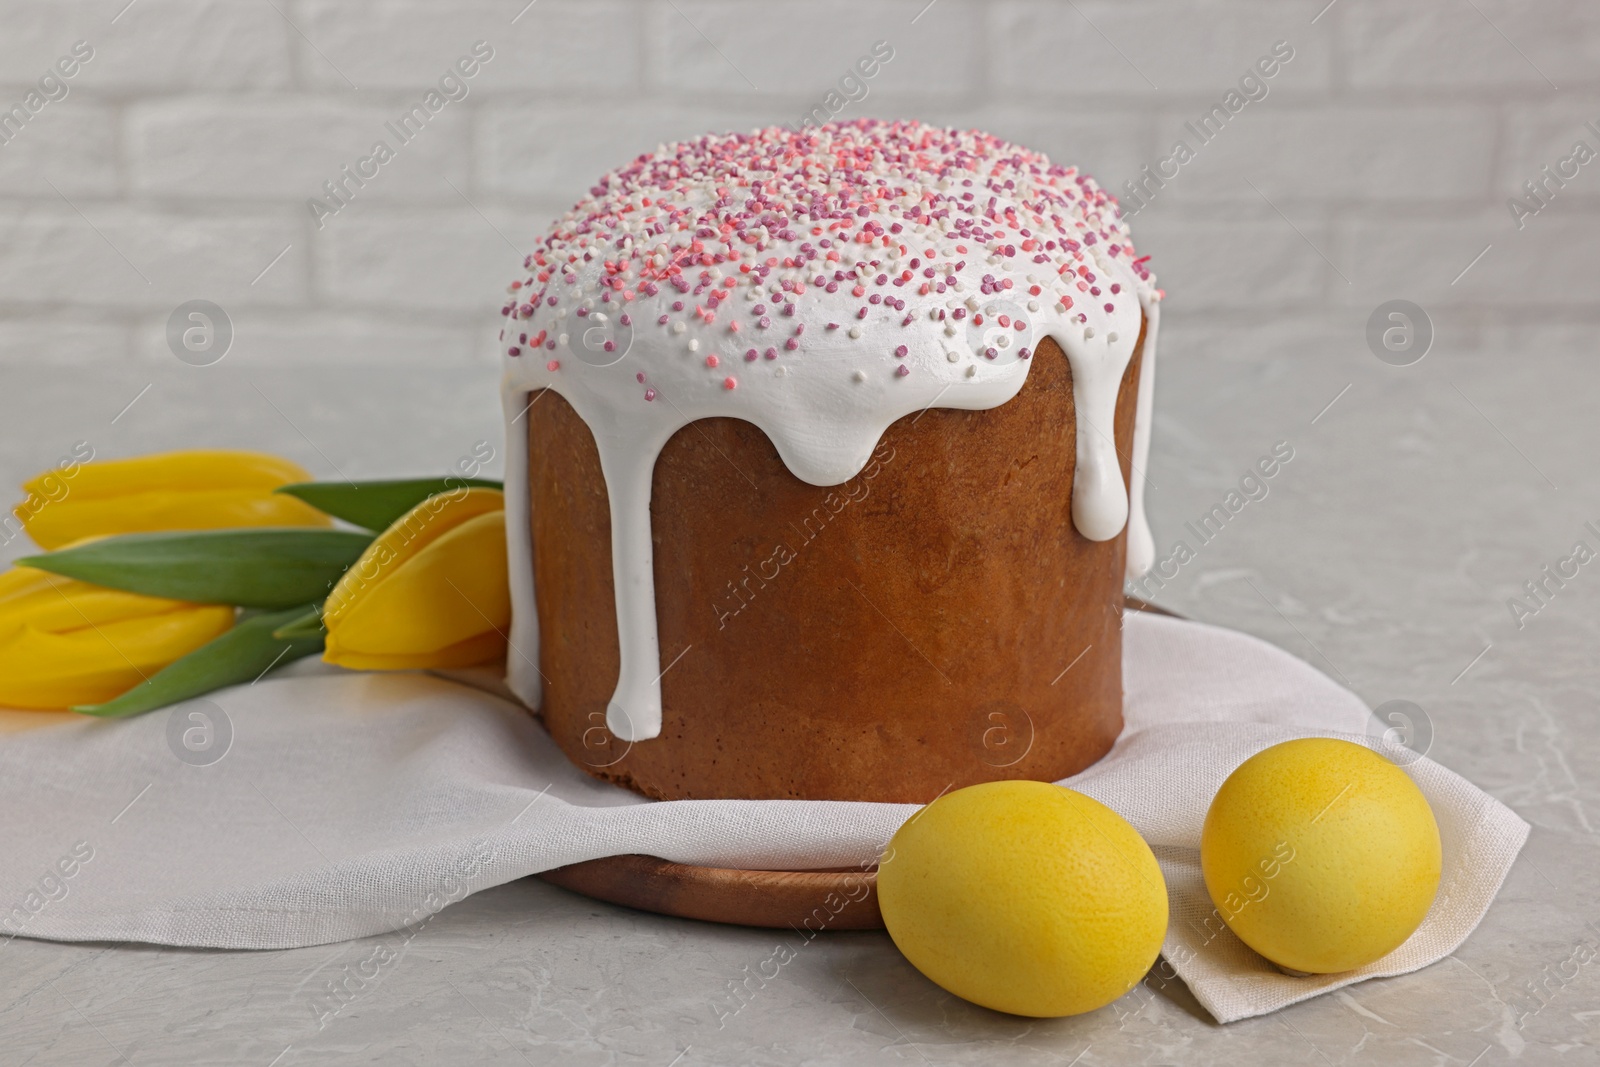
(901, 371)
(901, 351)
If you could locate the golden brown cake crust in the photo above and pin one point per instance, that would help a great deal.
(934, 622)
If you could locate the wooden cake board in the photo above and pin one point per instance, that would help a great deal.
(800, 900)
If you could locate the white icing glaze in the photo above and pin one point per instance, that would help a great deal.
(956, 318)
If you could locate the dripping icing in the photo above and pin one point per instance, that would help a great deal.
(833, 317)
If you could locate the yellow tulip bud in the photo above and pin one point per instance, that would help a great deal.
(65, 642)
(197, 490)
(430, 591)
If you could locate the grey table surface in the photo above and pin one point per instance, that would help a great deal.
(1385, 553)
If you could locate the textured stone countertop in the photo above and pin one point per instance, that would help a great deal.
(1385, 552)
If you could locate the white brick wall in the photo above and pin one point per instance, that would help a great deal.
(179, 163)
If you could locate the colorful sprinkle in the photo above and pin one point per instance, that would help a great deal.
(901, 222)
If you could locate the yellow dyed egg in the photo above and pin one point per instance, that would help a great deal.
(1320, 854)
(1024, 897)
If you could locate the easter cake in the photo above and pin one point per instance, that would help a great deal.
(825, 453)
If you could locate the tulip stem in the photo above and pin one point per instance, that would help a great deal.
(240, 656)
(307, 625)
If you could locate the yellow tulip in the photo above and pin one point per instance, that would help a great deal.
(65, 642)
(430, 591)
(196, 490)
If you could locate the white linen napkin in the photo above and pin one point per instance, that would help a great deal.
(320, 805)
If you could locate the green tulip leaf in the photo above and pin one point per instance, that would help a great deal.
(257, 567)
(376, 505)
(241, 655)
(307, 625)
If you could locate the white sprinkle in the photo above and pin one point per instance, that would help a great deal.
(971, 371)
(949, 330)
(859, 376)
(1111, 338)
(1033, 305)
(1088, 332)
(694, 344)
(855, 332)
(561, 340)
(677, 327)
(953, 356)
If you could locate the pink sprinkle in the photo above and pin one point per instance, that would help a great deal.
(784, 202)
(902, 370)
(730, 383)
(649, 394)
(712, 360)
(554, 364)
(639, 377)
